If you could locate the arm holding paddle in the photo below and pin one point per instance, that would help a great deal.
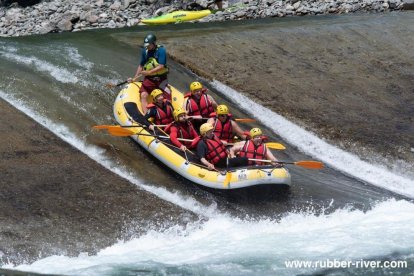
(137, 74)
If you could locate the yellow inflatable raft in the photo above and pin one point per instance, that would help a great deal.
(176, 17)
(127, 106)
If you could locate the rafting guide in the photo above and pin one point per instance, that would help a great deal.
(153, 66)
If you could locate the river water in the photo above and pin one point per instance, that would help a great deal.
(351, 210)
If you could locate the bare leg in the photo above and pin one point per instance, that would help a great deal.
(219, 4)
(144, 101)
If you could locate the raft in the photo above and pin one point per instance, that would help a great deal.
(127, 108)
(176, 17)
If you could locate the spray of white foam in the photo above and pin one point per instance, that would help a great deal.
(75, 57)
(99, 156)
(229, 246)
(310, 144)
(60, 74)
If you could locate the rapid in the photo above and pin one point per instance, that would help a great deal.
(351, 210)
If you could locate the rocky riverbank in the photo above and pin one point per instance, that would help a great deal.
(73, 16)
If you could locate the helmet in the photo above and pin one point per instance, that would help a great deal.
(149, 39)
(222, 110)
(195, 86)
(255, 132)
(177, 112)
(155, 93)
(204, 128)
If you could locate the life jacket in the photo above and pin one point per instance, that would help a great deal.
(184, 130)
(250, 150)
(162, 117)
(216, 150)
(224, 131)
(152, 62)
(201, 107)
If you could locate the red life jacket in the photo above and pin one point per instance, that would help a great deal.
(201, 107)
(250, 150)
(216, 150)
(224, 131)
(184, 130)
(163, 117)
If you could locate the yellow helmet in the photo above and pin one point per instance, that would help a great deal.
(195, 85)
(255, 132)
(155, 93)
(204, 128)
(177, 112)
(222, 110)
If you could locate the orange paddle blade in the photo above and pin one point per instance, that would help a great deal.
(309, 164)
(102, 127)
(120, 131)
(246, 120)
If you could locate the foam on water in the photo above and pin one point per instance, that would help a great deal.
(228, 246)
(310, 144)
(60, 74)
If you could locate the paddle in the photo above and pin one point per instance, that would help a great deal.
(308, 164)
(242, 120)
(126, 132)
(111, 85)
(119, 126)
(227, 179)
(270, 145)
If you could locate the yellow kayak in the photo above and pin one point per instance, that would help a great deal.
(176, 17)
(128, 105)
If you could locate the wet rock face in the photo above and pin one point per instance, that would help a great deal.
(54, 200)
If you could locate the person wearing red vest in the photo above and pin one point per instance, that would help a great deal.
(161, 110)
(181, 128)
(198, 103)
(212, 152)
(254, 148)
(224, 127)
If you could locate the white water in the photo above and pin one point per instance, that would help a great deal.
(309, 143)
(228, 246)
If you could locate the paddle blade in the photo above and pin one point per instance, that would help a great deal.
(309, 164)
(274, 145)
(120, 131)
(102, 127)
(227, 179)
(246, 120)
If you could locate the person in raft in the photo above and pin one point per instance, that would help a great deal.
(181, 128)
(254, 148)
(153, 66)
(198, 103)
(224, 127)
(160, 111)
(212, 152)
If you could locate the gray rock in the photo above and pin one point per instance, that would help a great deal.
(115, 6)
(46, 27)
(65, 25)
(92, 18)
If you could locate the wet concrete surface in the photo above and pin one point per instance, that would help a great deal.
(56, 200)
(349, 79)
